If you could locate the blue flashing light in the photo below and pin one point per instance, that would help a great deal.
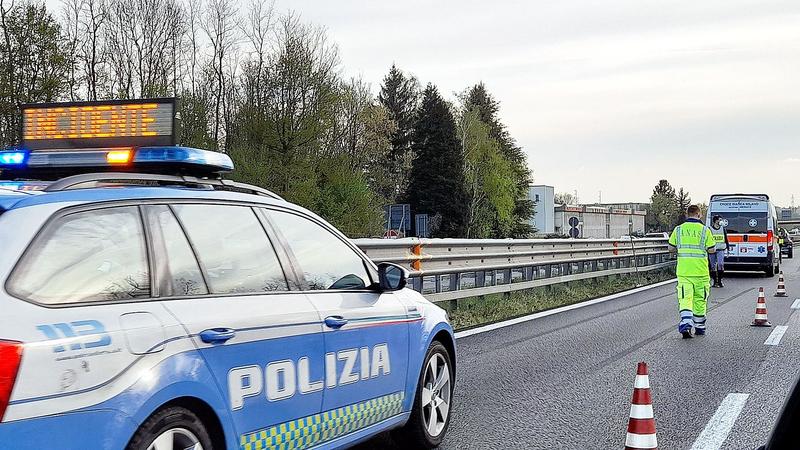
(12, 158)
(183, 155)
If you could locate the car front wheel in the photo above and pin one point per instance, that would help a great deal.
(430, 414)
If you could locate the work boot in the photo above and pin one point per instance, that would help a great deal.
(699, 331)
(720, 274)
(687, 334)
(715, 278)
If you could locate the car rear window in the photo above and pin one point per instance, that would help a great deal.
(88, 256)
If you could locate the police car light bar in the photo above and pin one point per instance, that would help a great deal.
(161, 159)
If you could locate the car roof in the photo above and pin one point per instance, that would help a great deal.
(22, 199)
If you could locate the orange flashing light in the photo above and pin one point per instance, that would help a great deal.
(119, 156)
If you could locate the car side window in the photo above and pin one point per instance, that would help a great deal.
(89, 256)
(325, 261)
(233, 249)
(180, 268)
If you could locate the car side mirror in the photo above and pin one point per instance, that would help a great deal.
(392, 277)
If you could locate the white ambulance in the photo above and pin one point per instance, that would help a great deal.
(752, 224)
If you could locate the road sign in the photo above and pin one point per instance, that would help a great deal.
(574, 222)
(421, 222)
(398, 217)
(391, 234)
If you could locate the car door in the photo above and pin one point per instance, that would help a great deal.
(366, 331)
(261, 340)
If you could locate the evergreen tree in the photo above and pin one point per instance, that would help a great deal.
(35, 62)
(437, 172)
(663, 207)
(488, 108)
(400, 96)
(682, 201)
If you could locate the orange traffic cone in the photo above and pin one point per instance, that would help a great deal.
(641, 425)
(761, 311)
(781, 291)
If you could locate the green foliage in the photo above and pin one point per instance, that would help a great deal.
(437, 173)
(488, 175)
(399, 94)
(682, 202)
(667, 208)
(488, 108)
(195, 112)
(35, 63)
(347, 202)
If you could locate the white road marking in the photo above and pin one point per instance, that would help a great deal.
(776, 335)
(796, 304)
(719, 427)
(508, 323)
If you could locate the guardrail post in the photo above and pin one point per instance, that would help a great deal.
(455, 278)
(507, 276)
(480, 279)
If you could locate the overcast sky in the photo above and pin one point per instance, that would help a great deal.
(610, 95)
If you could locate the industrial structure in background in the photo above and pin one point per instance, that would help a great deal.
(543, 198)
(597, 221)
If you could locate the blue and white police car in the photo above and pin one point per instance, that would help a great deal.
(148, 304)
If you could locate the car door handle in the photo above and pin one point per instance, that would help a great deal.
(217, 335)
(335, 322)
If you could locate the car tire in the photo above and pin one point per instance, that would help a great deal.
(176, 425)
(420, 432)
(789, 254)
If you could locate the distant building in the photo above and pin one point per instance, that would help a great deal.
(633, 206)
(598, 222)
(543, 198)
(787, 213)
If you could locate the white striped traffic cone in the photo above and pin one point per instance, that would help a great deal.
(781, 291)
(642, 424)
(761, 311)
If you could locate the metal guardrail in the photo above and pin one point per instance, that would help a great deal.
(450, 269)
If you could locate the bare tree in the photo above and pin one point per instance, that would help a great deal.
(220, 27)
(94, 14)
(71, 13)
(194, 11)
(143, 38)
(257, 29)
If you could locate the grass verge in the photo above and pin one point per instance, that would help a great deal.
(474, 311)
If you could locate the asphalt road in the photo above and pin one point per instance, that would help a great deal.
(565, 381)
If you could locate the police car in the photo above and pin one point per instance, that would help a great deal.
(149, 304)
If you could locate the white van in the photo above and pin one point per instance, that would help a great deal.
(752, 223)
